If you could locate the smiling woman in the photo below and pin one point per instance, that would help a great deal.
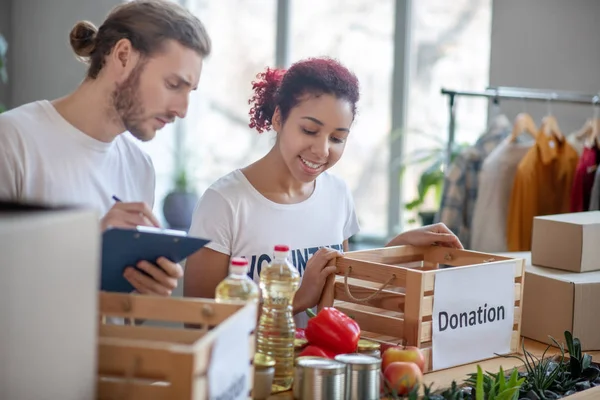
(288, 196)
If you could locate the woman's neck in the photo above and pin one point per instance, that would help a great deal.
(273, 179)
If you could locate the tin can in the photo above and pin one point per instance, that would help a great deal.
(369, 348)
(264, 371)
(363, 380)
(319, 379)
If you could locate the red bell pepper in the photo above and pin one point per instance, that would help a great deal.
(316, 351)
(333, 330)
(300, 334)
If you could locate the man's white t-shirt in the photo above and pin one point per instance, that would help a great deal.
(241, 222)
(44, 159)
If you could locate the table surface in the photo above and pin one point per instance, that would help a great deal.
(443, 378)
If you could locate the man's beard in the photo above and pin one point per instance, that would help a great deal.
(128, 105)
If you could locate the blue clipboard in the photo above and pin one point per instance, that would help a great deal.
(122, 248)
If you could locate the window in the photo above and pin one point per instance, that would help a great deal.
(218, 139)
(161, 150)
(450, 47)
(359, 33)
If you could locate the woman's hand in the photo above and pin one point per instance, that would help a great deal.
(429, 235)
(314, 278)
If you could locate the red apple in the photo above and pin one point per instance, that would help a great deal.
(403, 353)
(402, 376)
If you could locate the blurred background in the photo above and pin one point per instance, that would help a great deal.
(404, 52)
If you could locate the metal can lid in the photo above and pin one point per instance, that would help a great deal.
(359, 361)
(299, 343)
(262, 361)
(321, 366)
(304, 358)
(367, 345)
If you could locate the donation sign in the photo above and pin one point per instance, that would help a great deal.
(473, 313)
(229, 369)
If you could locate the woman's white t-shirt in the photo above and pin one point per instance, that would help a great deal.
(241, 222)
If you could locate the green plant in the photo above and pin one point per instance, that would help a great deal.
(181, 176)
(432, 158)
(182, 183)
(542, 374)
(3, 72)
(491, 386)
(578, 362)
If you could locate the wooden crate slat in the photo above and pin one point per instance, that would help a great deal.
(172, 309)
(370, 271)
(427, 306)
(370, 321)
(151, 333)
(386, 299)
(385, 254)
(116, 389)
(458, 257)
(149, 360)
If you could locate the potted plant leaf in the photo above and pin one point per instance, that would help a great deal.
(432, 159)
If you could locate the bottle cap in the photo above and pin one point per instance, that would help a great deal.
(282, 251)
(262, 361)
(238, 265)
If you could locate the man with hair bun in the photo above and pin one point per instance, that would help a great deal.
(144, 60)
(289, 196)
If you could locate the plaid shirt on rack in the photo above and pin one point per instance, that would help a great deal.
(462, 181)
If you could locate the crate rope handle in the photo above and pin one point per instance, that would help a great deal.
(369, 297)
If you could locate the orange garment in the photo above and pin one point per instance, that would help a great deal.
(542, 186)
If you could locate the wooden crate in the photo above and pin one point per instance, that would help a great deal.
(402, 311)
(140, 362)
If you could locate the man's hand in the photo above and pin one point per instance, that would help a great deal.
(128, 215)
(162, 281)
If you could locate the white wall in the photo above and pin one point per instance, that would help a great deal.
(44, 66)
(547, 44)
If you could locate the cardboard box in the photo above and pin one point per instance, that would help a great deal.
(570, 242)
(555, 301)
(50, 262)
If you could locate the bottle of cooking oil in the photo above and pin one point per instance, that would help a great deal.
(279, 281)
(237, 285)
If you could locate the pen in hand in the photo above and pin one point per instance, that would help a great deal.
(144, 212)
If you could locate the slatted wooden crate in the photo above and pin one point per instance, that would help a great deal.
(401, 312)
(140, 362)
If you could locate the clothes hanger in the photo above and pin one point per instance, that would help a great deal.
(590, 131)
(585, 131)
(550, 125)
(523, 123)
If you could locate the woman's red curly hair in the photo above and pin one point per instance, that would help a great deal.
(284, 89)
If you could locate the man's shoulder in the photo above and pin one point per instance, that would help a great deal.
(133, 151)
(16, 119)
(19, 123)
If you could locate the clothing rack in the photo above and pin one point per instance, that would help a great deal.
(503, 92)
